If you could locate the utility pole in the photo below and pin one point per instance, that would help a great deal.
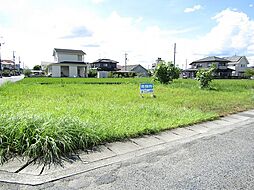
(19, 65)
(125, 61)
(174, 54)
(13, 59)
(1, 43)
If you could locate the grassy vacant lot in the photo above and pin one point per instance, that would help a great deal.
(47, 118)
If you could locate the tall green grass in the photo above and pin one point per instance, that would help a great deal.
(49, 119)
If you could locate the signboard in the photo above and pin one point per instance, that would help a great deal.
(146, 88)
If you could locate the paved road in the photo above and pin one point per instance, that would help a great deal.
(222, 161)
(11, 79)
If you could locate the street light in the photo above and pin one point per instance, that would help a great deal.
(0, 58)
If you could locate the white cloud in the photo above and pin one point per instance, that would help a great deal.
(250, 5)
(232, 34)
(34, 37)
(192, 9)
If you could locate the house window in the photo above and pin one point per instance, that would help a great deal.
(209, 65)
(199, 65)
(79, 57)
(105, 65)
(242, 65)
(222, 64)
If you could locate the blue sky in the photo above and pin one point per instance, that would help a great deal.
(145, 29)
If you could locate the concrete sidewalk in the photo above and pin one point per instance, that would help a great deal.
(11, 79)
(18, 171)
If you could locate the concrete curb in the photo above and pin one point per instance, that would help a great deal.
(120, 151)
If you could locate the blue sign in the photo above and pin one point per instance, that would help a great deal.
(146, 88)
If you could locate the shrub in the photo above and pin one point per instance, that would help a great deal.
(27, 72)
(205, 77)
(166, 72)
(6, 73)
(249, 73)
(92, 73)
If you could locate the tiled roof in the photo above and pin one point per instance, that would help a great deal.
(71, 51)
(130, 67)
(7, 61)
(105, 61)
(211, 59)
(234, 58)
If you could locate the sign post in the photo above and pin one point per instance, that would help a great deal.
(146, 88)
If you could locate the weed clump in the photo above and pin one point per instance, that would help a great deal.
(44, 139)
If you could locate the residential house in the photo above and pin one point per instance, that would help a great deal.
(239, 64)
(68, 63)
(138, 69)
(104, 65)
(7, 64)
(221, 65)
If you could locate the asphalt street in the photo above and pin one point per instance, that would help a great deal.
(222, 161)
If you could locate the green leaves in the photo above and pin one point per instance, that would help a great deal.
(166, 72)
(249, 72)
(205, 77)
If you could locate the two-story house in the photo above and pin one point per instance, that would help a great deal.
(104, 65)
(68, 63)
(239, 64)
(221, 66)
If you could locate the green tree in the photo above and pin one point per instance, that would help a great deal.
(166, 72)
(249, 72)
(37, 67)
(92, 73)
(205, 77)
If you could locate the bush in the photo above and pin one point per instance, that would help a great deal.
(27, 72)
(249, 73)
(166, 72)
(205, 77)
(92, 73)
(6, 73)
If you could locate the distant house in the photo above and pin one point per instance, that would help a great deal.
(68, 63)
(239, 64)
(104, 65)
(138, 69)
(221, 65)
(7, 64)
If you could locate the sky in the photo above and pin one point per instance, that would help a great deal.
(144, 29)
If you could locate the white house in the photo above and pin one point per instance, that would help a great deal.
(68, 63)
(239, 64)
